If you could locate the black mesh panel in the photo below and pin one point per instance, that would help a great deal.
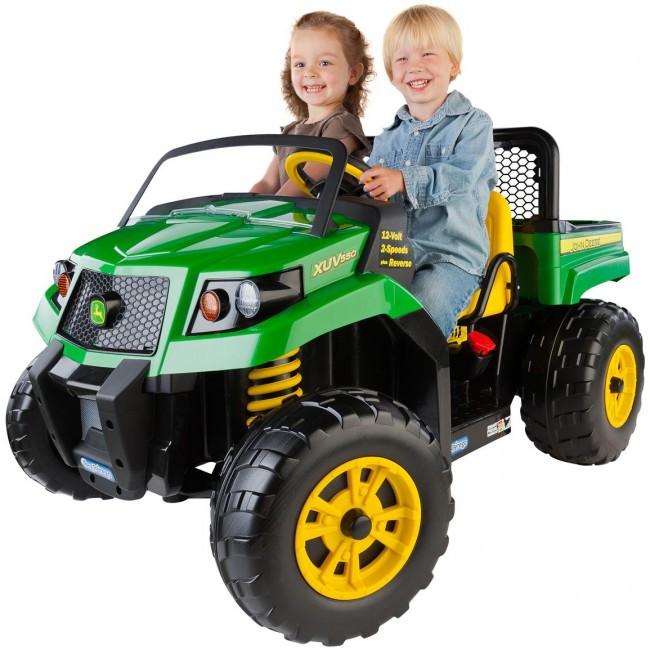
(136, 327)
(518, 181)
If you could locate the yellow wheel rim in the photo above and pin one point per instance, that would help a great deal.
(298, 158)
(358, 528)
(620, 385)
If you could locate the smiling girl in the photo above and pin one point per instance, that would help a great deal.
(324, 85)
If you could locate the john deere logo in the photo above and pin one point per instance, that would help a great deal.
(104, 309)
(98, 312)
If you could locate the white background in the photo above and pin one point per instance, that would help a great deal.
(543, 554)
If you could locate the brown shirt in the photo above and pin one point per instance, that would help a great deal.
(340, 124)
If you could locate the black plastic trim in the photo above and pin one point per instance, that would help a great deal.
(423, 331)
(322, 221)
(543, 145)
(277, 292)
(60, 411)
(125, 412)
(478, 432)
(486, 287)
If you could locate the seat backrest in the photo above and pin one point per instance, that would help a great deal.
(499, 227)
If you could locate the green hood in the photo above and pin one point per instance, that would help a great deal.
(257, 237)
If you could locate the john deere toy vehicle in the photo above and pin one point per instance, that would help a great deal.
(277, 338)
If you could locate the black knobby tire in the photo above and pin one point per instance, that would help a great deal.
(563, 387)
(33, 449)
(254, 516)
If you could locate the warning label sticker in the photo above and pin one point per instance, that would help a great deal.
(498, 427)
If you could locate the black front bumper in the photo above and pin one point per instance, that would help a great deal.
(99, 419)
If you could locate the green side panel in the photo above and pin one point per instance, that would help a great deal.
(557, 268)
(46, 317)
(352, 299)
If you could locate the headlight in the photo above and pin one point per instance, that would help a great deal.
(247, 300)
(233, 304)
(60, 267)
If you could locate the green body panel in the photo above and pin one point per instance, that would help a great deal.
(46, 318)
(347, 301)
(557, 268)
(195, 247)
(256, 237)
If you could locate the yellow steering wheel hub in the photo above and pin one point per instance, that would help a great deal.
(294, 160)
(620, 385)
(358, 528)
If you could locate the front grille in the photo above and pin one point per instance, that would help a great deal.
(136, 327)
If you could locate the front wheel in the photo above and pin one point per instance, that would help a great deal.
(332, 515)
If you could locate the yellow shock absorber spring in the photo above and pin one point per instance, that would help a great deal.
(273, 383)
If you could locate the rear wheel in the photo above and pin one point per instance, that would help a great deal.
(33, 449)
(583, 378)
(332, 516)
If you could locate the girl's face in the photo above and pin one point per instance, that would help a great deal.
(320, 73)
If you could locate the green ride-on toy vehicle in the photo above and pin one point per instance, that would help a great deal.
(276, 337)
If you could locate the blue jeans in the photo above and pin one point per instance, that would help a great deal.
(444, 291)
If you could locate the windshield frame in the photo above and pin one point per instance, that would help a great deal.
(324, 204)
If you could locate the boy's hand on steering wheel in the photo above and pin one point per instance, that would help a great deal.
(382, 182)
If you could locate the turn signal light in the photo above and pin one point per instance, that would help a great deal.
(210, 306)
(63, 284)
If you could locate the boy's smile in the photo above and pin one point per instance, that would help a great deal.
(422, 75)
(419, 84)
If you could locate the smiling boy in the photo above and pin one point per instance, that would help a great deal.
(437, 160)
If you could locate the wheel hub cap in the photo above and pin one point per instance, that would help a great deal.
(620, 385)
(357, 528)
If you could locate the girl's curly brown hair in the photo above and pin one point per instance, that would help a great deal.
(355, 48)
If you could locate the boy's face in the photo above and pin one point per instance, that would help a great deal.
(422, 75)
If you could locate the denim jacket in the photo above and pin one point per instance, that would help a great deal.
(449, 170)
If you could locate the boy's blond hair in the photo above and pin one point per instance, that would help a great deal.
(423, 26)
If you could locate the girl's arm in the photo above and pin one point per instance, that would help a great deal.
(316, 171)
(270, 181)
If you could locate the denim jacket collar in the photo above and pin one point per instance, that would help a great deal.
(455, 104)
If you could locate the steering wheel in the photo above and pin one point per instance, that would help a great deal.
(350, 185)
